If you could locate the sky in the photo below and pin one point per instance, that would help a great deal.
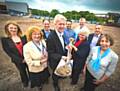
(94, 6)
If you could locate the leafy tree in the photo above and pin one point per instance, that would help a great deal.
(54, 12)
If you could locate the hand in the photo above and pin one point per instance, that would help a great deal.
(64, 58)
(84, 73)
(23, 61)
(74, 47)
(98, 82)
(69, 47)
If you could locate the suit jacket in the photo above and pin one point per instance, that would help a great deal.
(34, 58)
(10, 48)
(90, 37)
(80, 55)
(44, 36)
(55, 50)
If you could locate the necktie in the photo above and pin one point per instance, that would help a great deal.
(61, 40)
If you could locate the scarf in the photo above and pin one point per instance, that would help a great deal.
(96, 62)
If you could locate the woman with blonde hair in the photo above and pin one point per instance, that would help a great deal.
(36, 57)
(13, 46)
(80, 51)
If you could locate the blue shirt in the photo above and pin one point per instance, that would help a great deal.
(68, 33)
(47, 33)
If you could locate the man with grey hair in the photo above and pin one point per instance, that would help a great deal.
(56, 47)
(82, 27)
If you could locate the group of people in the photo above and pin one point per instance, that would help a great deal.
(38, 50)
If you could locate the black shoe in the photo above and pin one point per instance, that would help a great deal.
(56, 88)
(47, 81)
(25, 84)
(82, 89)
(40, 88)
(73, 83)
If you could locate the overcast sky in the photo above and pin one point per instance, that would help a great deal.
(95, 6)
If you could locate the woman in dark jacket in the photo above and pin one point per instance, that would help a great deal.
(80, 52)
(13, 46)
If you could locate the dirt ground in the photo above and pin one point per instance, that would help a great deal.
(9, 77)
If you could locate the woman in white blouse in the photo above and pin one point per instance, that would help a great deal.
(36, 57)
(100, 64)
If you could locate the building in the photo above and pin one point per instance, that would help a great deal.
(14, 8)
(3, 8)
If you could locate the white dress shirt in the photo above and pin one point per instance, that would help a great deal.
(60, 35)
(94, 40)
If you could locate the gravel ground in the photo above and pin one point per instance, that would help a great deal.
(10, 80)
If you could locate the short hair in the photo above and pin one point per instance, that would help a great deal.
(82, 19)
(31, 30)
(68, 20)
(83, 33)
(19, 32)
(46, 20)
(108, 37)
(59, 17)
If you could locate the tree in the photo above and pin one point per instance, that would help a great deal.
(54, 12)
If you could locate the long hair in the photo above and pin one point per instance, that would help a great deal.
(19, 32)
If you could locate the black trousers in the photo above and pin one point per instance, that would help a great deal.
(89, 85)
(76, 70)
(23, 71)
(56, 79)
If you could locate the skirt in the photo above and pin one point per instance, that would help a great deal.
(37, 79)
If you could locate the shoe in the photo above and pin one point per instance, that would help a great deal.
(47, 81)
(40, 88)
(25, 84)
(82, 89)
(73, 83)
(56, 88)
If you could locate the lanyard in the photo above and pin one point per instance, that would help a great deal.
(43, 47)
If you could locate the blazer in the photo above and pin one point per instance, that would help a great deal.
(90, 37)
(11, 50)
(44, 36)
(55, 50)
(34, 58)
(107, 64)
(80, 55)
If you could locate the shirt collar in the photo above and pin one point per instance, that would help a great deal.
(59, 34)
(97, 35)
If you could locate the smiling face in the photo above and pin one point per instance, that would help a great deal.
(59, 22)
(46, 24)
(68, 24)
(98, 29)
(104, 43)
(60, 25)
(12, 29)
(36, 36)
(82, 22)
(82, 36)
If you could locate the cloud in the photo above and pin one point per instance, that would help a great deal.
(78, 5)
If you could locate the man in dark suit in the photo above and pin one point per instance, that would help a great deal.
(93, 38)
(56, 47)
(46, 30)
